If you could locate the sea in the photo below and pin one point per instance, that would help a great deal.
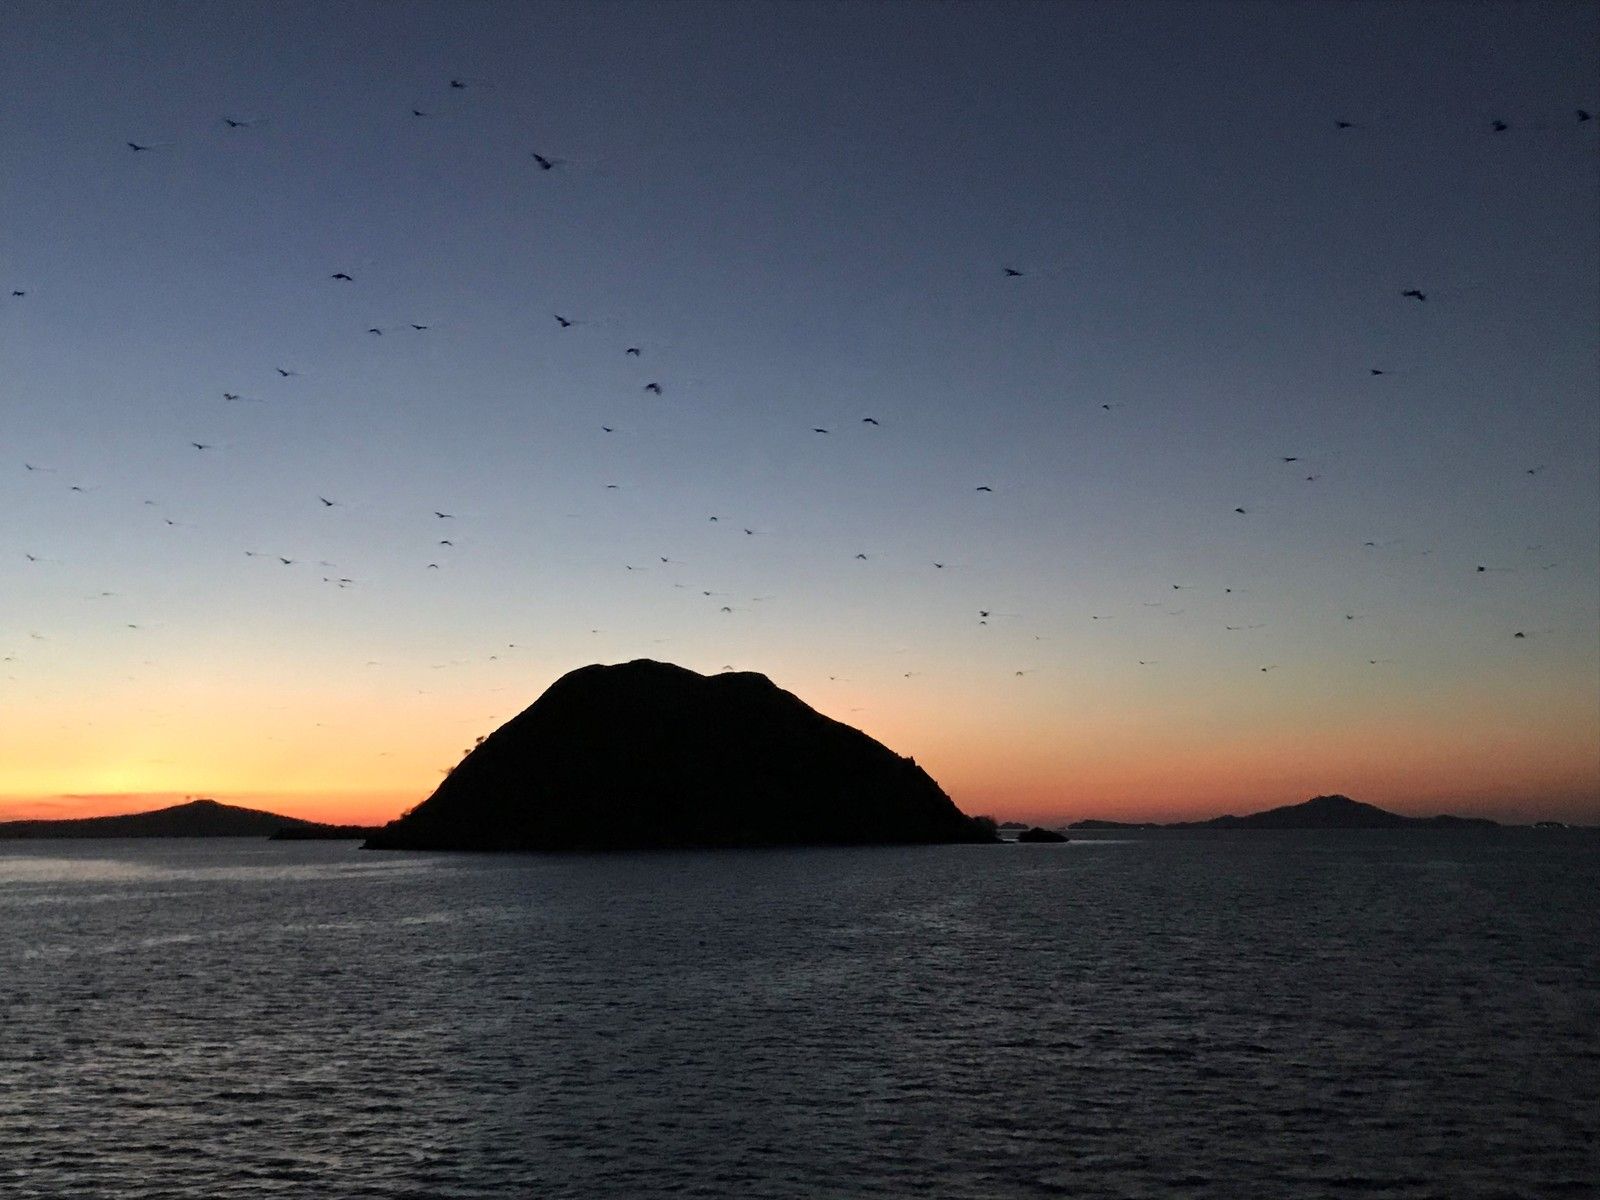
(1201, 1014)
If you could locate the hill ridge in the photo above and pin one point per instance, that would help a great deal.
(1333, 811)
(201, 817)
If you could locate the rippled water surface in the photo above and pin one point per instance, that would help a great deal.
(1382, 1014)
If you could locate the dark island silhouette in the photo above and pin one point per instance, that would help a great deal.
(1039, 833)
(193, 819)
(648, 755)
(1319, 812)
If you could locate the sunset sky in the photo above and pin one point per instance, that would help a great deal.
(801, 215)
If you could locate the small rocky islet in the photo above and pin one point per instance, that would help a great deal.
(1039, 834)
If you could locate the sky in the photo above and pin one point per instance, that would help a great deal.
(1028, 570)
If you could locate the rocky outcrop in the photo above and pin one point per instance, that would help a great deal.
(1040, 834)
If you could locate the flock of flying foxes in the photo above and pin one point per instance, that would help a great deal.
(444, 519)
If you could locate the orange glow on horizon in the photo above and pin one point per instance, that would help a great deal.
(363, 752)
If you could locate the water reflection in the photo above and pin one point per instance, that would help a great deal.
(1145, 1016)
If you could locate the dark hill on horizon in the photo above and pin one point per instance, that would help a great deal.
(646, 755)
(1319, 812)
(195, 818)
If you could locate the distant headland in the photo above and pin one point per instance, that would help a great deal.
(193, 819)
(646, 755)
(1319, 812)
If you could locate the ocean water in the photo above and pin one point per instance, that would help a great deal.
(1236, 1015)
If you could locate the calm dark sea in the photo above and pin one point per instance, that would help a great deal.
(1241, 1015)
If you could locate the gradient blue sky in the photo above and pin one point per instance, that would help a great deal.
(801, 215)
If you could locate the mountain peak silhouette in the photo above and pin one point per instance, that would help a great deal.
(648, 754)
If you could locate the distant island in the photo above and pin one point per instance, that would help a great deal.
(647, 754)
(1040, 834)
(194, 819)
(1319, 812)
